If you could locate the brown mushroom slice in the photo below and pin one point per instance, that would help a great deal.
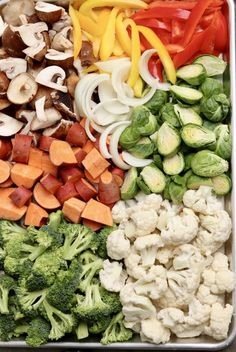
(3, 26)
(61, 41)
(31, 33)
(9, 126)
(40, 109)
(43, 92)
(64, 60)
(12, 11)
(22, 89)
(59, 131)
(38, 52)
(4, 83)
(13, 66)
(47, 12)
(4, 103)
(12, 43)
(71, 83)
(53, 116)
(64, 21)
(63, 102)
(52, 77)
(26, 116)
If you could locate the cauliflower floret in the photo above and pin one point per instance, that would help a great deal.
(220, 319)
(153, 201)
(153, 331)
(181, 228)
(166, 212)
(112, 276)
(218, 277)
(137, 308)
(170, 317)
(214, 231)
(133, 325)
(202, 201)
(198, 313)
(118, 246)
(164, 255)
(133, 265)
(187, 256)
(144, 220)
(154, 284)
(127, 292)
(205, 296)
(119, 212)
(169, 300)
(147, 246)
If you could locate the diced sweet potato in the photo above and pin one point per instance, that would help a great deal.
(25, 175)
(94, 226)
(8, 210)
(94, 163)
(35, 215)
(20, 196)
(7, 183)
(45, 143)
(90, 178)
(88, 147)
(60, 153)
(77, 135)
(80, 155)
(72, 209)
(66, 192)
(108, 189)
(119, 175)
(70, 173)
(47, 166)
(97, 212)
(5, 170)
(21, 148)
(51, 183)
(85, 190)
(44, 198)
(35, 157)
(5, 149)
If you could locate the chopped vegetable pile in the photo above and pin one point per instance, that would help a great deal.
(115, 149)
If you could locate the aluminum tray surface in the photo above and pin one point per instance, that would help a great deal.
(202, 343)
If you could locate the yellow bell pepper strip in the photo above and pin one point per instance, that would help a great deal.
(122, 34)
(87, 7)
(162, 52)
(91, 68)
(117, 50)
(96, 46)
(138, 88)
(77, 3)
(103, 18)
(135, 52)
(109, 37)
(89, 25)
(77, 34)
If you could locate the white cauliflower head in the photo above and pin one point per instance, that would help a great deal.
(133, 264)
(164, 255)
(118, 246)
(187, 256)
(153, 331)
(220, 319)
(112, 276)
(137, 308)
(145, 220)
(167, 211)
(205, 296)
(202, 201)
(119, 212)
(181, 228)
(147, 247)
(170, 317)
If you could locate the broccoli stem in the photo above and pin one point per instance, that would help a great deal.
(82, 331)
(4, 301)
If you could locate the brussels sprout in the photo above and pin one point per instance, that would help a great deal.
(210, 87)
(197, 136)
(196, 108)
(207, 164)
(216, 107)
(168, 140)
(143, 148)
(185, 94)
(153, 178)
(193, 74)
(176, 192)
(182, 180)
(153, 138)
(210, 125)
(214, 65)
(194, 182)
(143, 121)
(142, 185)
(129, 188)
(159, 99)
(187, 161)
(129, 137)
(221, 184)
(158, 161)
(166, 193)
(223, 141)
(187, 115)
(173, 165)
(167, 113)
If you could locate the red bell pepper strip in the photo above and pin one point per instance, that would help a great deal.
(162, 12)
(154, 23)
(186, 5)
(193, 20)
(156, 68)
(177, 30)
(221, 39)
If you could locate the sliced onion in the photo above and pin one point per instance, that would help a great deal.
(113, 148)
(110, 65)
(114, 106)
(80, 91)
(136, 162)
(145, 73)
(96, 127)
(87, 129)
(102, 117)
(105, 134)
(106, 91)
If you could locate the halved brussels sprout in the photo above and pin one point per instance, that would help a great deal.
(210, 125)
(187, 115)
(207, 164)
(176, 192)
(167, 114)
(214, 65)
(168, 139)
(221, 184)
(129, 188)
(223, 141)
(143, 148)
(193, 74)
(166, 193)
(197, 136)
(159, 99)
(194, 182)
(182, 180)
(129, 137)
(210, 87)
(216, 107)
(153, 178)
(187, 161)
(187, 95)
(143, 121)
(158, 161)
(142, 185)
(173, 165)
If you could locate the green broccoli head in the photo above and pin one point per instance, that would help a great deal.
(55, 220)
(29, 302)
(112, 299)
(21, 328)
(116, 331)
(7, 327)
(17, 267)
(15, 308)
(98, 326)
(102, 238)
(7, 284)
(9, 229)
(89, 270)
(36, 281)
(78, 238)
(2, 258)
(38, 332)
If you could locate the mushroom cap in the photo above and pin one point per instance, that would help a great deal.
(52, 77)
(43, 92)
(47, 12)
(4, 103)
(4, 82)
(22, 89)
(61, 41)
(13, 66)
(58, 131)
(63, 103)
(12, 11)
(12, 43)
(64, 60)
(8, 125)
(31, 33)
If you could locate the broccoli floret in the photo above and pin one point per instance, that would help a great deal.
(116, 331)
(81, 330)
(89, 270)
(61, 323)
(29, 301)
(38, 332)
(2, 258)
(16, 267)
(7, 327)
(21, 328)
(9, 229)
(102, 238)
(18, 248)
(15, 308)
(54, 220)
(112, 299)
(100, 325)
(7, 284)
(78, 238)
(36, 281)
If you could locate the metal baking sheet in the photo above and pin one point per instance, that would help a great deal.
(202, 343)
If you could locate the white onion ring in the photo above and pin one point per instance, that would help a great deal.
(113, 148)
(136, 162)
(80, 91)
(110, 65)
(87, 129)
(96, 127)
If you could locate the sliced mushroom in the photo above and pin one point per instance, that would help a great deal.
(12, 11)
(22, 89)
(64, 21)
(47, 12)
(59, 131)
(3, 26)
(3, 54)
(33, 18)
(63, 102)
(43, 92)
(39, 51)
(4, 103)
(26, 116)
(40, 112)
(13, 66)
(71, 83)
(4, 83)
(23, 19)
(61, 41)
(31, 33)
(53, 116)
(64, 60)
(12, 42)
(8, 125)
(53, 77)
(86, 54)
(34, 67)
